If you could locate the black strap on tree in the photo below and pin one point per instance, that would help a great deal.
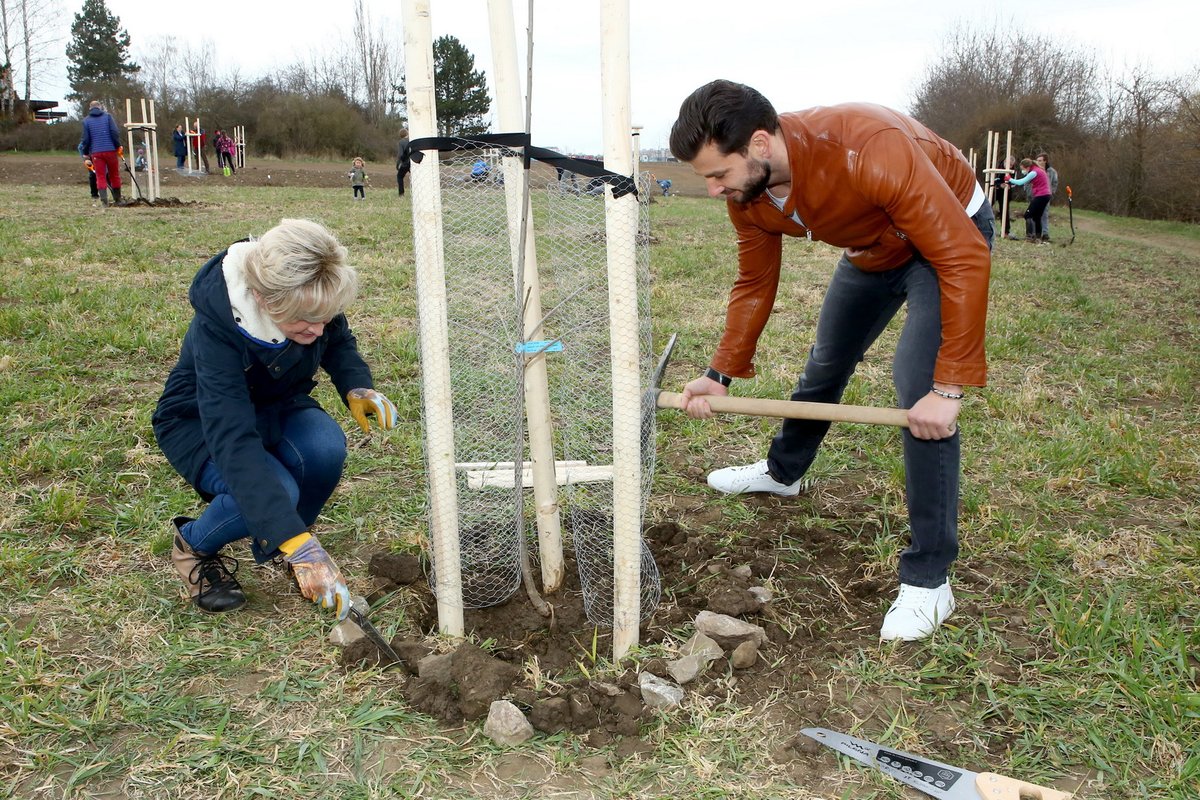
(517, 145)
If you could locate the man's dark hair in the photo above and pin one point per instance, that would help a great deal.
(724, 113)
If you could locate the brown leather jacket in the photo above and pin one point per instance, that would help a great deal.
(886, 188)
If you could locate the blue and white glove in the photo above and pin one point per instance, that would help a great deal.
(368, 401)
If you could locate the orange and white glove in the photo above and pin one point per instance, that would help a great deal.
(319, 578)
(368, 401)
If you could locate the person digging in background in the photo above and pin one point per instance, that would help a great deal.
(237, 420)
(916, 229)
(100, 142)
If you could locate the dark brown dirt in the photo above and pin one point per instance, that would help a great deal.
(819, 614)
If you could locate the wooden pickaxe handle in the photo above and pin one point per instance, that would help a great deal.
(793, 409)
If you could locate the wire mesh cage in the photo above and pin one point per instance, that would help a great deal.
(574, 241)
(490, 344)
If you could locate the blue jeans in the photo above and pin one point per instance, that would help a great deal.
(308, 462)
(857, 307)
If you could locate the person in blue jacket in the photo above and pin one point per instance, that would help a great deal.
(237, 419)
(179, 138)
(101, 142)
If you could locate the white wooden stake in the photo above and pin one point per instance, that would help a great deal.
(1007, 157)
(537, 391)
(431, 308)
(621, 225)
(136, 193)
(156, 182)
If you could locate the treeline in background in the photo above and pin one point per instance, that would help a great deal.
(1127, 142)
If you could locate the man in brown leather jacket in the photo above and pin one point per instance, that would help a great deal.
(916, 229)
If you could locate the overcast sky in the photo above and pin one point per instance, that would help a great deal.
(799, 53)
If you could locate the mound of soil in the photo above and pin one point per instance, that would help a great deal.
(160, 202)
(813, 608)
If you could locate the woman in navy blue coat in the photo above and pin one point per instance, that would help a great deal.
(237, 419)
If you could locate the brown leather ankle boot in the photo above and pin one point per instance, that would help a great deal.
(209, 578)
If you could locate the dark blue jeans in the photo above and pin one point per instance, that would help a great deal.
(857, 307)
(308, 462)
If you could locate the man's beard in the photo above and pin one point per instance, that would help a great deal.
(759, 178)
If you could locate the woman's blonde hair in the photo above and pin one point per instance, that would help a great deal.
(299, 272)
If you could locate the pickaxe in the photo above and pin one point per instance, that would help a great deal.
(758, 407)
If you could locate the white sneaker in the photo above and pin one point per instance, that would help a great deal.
(917, 612)
(750, 478)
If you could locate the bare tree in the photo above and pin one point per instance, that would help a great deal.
(1003, 78)
(30, 41)
(375, 63)
(196, 72)
(161, 74)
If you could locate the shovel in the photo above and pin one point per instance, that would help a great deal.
(1070, 215)
(121, 153)
(359, 617)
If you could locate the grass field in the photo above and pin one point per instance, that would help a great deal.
(1081, 501)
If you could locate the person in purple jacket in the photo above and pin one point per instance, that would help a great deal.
(100, 142)
(1041, 196)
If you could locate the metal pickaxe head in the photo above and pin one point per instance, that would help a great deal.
(650, 396)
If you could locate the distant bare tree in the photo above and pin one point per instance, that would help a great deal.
(196, 71)
(30, 42)
(161, 74)
(374, 62)
(1005, 79)
(1150, 146)
(332, 73)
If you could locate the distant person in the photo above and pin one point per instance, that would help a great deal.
(218, 135)
(100, 141)
(665, 185)
(403, 160)
(566, 179)
(358, 177)
(1043, 161)
(1005, 215)
(179, 138)
(91, 171)
(238, 421)
(480, 171)
(139, 160)
(916, 230)
(201, 152)
(1039, 185)
(226, 149)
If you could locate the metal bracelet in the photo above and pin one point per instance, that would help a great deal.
(947, 395)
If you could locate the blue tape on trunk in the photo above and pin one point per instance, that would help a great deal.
(539, 347)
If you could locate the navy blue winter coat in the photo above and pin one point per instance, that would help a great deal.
(100, 133)
(224, 400)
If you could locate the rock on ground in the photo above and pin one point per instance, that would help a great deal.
(506, 725)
